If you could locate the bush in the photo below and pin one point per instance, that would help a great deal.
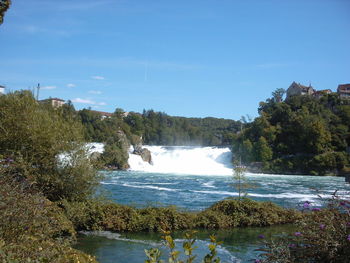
(245, 212)
(32, 138)
(323, 236)
(32, 228)
(229, 213)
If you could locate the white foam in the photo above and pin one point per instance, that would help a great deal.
(116, 236)
(302, 197)
(95, 147)
(150, 187)
(185, 160)
(209, 184)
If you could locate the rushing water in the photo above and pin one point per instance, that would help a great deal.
(193, 179)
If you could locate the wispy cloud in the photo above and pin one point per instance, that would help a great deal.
(48, 87)
(272, 65)
(97, 92)
(88, 101)
(71, 85)
(33, 29)
(98, 77)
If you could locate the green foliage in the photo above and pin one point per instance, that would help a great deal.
(278, 94)
(301, 135)
(33, 136)
(4, 5)
(245, 212)
(211, 257)
(115, 155)
(323, 236)
(262, 151)
(154, 254)
(94, 215)
(157, 128)
(33, 229)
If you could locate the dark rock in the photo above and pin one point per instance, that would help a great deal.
(144, 153)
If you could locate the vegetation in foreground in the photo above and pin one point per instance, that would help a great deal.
(32, 228)
(323, 236)
(175, 256)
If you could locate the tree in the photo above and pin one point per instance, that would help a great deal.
(4, 5)
(240, 181)
(263, 152)
(278, 94)
(45, 148)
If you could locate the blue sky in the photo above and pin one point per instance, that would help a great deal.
(193, 58)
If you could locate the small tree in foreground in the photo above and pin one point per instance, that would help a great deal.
(241, 183)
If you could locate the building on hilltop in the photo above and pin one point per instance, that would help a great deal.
(54, 102)
(296, 89)
(2, 90)
(344, 91)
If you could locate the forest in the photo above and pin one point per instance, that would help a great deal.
(300, 135)
(158, 128)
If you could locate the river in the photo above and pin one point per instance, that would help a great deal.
(193, 178)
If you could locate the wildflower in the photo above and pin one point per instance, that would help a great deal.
(261, 236)
(322, 226)
(316, 209)
(348, 238)
(348, 224)
(297, 234)
(342, 203)
(306, 205)
(291, 245)
(258, 261)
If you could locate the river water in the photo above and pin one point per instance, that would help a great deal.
(193, 178)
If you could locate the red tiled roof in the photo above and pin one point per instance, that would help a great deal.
(323, 91)
(344, 88)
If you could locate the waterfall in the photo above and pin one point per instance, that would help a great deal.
(185, 160)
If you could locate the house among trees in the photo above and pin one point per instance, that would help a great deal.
(54, 102)
(344, 91)
(319, 93)
(103, 114)
(296, 89)
(2, 90)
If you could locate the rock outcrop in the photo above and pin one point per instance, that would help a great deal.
(143, 152)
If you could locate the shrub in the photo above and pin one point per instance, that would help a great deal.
(95, 215)
(245, 212)
(32, 228)
(323, 236)
(32, 138)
